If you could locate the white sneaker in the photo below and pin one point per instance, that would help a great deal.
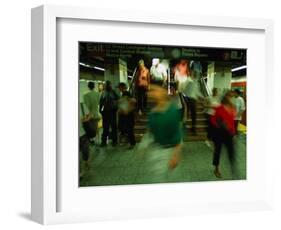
(208, 143)
(140, 113)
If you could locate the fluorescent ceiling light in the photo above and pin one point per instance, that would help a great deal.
(99, 68)
(239, 68)
(83, 64)
(93, 67)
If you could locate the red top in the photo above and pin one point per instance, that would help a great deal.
(226, 116)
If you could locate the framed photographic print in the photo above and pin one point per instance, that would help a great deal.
(137, 114)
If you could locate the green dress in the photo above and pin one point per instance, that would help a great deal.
(165, 126)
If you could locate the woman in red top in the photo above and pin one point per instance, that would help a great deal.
(224, 130)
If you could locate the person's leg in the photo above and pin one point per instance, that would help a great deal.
(228, 141)
(208, 129)
(139, 98)
(144, 98)
(186, 100)
(193, 114)
(122, 124)
(84, 144)
(105, 126)
(217, 153)
(236, 123)
(142, 92)
(130, 129)
(113, 125)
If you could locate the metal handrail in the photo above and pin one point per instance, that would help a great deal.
(207, 90)
(131, 88)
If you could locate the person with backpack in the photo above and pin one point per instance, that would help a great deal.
(108, 110)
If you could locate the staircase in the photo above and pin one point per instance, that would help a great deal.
(201, 125)
(141, 125)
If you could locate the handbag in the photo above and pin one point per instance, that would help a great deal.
(89, 124)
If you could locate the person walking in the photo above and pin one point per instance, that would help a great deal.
(108, 110)
(212, 103)
(91, 100)
(142, 86)
(164, 126)
(240, 108)
(126, 114)
(191, 94)
(224, 130)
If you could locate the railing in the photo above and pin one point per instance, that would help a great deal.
(132, 86)
(204, 87)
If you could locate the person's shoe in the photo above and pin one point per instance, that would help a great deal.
(140, 113)
(208, 143)
(217, 174)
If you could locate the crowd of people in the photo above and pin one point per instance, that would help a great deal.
(118, 110)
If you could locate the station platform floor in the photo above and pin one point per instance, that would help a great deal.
(122, 166)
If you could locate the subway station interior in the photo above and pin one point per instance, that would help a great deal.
(214, 74)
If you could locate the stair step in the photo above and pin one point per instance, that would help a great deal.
(187, 138)
(199, 121)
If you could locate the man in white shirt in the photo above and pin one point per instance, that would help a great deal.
(91, 100)
(191, 94)
(158, 72)
(240, 108)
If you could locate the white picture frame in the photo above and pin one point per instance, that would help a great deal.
(45, 167)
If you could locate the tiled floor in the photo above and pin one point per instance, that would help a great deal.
(118, 165)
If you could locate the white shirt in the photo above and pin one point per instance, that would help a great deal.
(191, 88)
(213, 103)
(158, 72)
(92, 100)
(240, 107)
(181, 79)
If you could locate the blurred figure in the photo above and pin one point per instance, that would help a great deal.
(108, 109)
(158, 73)
(211, 104)
(188, 86)
(164, 126)
(181, 73)
(196, 69)
(240, 108)
(126, 114)
(191, 94)
(100, 88)
(178, 99)
(91, 100)
(142, 85)
(84, 139)
(223, 132)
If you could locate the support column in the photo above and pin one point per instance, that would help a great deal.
(116, 71)
(219, 76)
